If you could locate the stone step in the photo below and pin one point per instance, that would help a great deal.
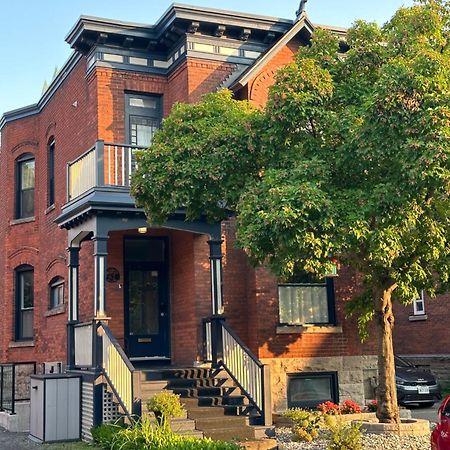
(230, 434)
(230, 400)
(261, 444)
(207, 391)
(168, 373)
(198, 382)
(215, 423)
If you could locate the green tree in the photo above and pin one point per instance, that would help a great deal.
(349, 158)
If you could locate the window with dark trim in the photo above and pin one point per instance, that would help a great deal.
(56, 292)
(24, 303)
(419, 305)
(309, 389)
(143, 117)
(51, 172)
(304, 299)
(25, 170)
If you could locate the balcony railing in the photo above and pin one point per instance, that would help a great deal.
(105, 164)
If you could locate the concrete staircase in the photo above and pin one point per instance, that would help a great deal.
(215, 405)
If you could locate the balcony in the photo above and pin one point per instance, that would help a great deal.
(103, 165)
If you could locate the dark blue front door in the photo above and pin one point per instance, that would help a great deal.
(147, 327)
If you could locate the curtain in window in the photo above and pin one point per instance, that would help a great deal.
(303, 304)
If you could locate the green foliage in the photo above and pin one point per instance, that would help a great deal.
(142, 435)
(103, 435)
(343, 436)
(165, 405)
(306, 424)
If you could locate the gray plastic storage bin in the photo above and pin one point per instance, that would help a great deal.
(55, 407)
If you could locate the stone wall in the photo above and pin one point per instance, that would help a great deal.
(355, 376)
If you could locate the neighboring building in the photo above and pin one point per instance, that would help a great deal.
(65, 164)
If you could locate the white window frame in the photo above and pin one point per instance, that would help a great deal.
(416, 302)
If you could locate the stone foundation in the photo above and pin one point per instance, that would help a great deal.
(355, 376)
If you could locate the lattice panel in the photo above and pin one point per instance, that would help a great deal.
(110, 408)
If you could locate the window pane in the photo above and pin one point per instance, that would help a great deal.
(27, 324)
(27, 174)
(144, 250)
(27, 288)
(144, 102)
(142, 130)
(309, 390)
(27, 203)
(303, 304)
(56, 294)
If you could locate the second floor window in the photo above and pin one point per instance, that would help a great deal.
(51, 173)
(25, 187)
(303, 299)
(143, 117)
(56, 292)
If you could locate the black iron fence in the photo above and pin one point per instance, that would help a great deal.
(15, 384)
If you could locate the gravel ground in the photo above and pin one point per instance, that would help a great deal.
(370, 442)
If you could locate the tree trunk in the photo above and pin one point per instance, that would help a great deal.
(387, 411)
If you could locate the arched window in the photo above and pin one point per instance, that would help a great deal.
(24, 302)
(56, 292)
(25, 172)
(51, 172)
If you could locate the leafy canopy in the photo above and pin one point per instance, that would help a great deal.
(350, 157)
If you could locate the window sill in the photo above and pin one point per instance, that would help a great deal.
(24, 220)
(50, 209)
(302, 329)
(55, 311)
(418, 317)
(19, 344)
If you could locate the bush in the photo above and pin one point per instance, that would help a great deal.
(103, 435)
(344, 436)
(305, 423)
(142, 435)
(165, 406)
(350, 407)
(329, 408)
(372, 406)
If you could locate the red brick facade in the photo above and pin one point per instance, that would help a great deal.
(90, 105)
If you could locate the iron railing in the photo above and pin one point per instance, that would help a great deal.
(223, 348)
(104, 164)
(15, 384)
(117, 369)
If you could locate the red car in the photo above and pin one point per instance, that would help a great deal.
(440, 437)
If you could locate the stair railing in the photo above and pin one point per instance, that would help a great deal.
(223, 348)
(117, 369)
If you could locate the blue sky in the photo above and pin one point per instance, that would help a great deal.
(32, 32)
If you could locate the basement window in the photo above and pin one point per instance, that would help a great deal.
(309, 389)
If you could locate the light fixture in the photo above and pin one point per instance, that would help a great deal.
(142, 230)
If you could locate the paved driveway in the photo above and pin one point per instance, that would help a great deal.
(16, 441)
(425, 413)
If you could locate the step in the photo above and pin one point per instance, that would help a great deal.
(230, 434)
(229, 400)
(189, 372)
(206, 391)
(211, 423)
(260, 444)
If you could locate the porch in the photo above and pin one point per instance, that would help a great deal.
(142, 296)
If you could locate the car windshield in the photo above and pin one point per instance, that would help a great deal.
(400, 362)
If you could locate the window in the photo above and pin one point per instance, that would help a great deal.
(51, 173)
(309, 389)
(306, 300)
(25, 187)
(56, 292)
(419, 305)
(24, 302)
(143, 117)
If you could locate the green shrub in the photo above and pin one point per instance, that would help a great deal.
(144, 436)
(343, 436)
(165, 405)
(305, 423)
(103, 435)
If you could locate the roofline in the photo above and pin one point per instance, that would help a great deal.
(36, 108)
(301, 23)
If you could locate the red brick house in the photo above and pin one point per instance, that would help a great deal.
(87, 282)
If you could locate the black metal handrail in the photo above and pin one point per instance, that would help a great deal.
(223, 348)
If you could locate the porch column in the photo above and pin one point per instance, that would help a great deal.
(215, 257)
(74, 264)
(100, 256)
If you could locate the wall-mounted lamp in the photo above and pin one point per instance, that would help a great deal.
(142, 230)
